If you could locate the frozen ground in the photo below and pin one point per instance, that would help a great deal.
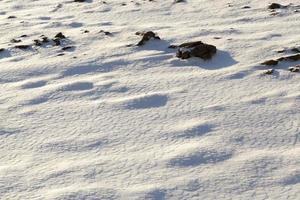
(106, 121)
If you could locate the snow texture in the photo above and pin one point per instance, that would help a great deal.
(107, 120)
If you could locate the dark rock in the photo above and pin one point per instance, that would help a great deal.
(22, 46)
(295, 69)
(56, 41)
(146, 37)
(275, 6)
(269, 71)
(183, 54)
(191, 44)
(295, 57)
(270, 62)
(79, 1)
(11, 17)
(67, 48)
(37, 42)
(195, 49)
(60, 36)
(246, 7)
(2, 49)
(281, 59)
(179, 1)
(105, 32)
(204, 51)
(57, 38)
(45, 39)
(280, 51)
(15, 41)
(296, 50)
(173, 47)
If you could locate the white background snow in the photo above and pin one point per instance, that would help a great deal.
(107, 121)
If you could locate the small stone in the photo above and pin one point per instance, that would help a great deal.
(60, 36)
(295, 57)
(67, 48)
(179, 1)
(56, 41)
(146, 37)
(296, 50)
(280, 51)
(269, 71)
(45, 39)
(281, 59)
(105, 32)
(270, 62)
(15, 41)
(246, 7)
(22, 46)
(172, 46)
(37, 42)
(275, 6)
(295, 69)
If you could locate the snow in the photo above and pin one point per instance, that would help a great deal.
(108, 121)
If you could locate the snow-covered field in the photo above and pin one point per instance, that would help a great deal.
(106, 120)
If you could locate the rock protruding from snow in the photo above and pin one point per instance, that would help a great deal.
(195, 49)
(146, 37)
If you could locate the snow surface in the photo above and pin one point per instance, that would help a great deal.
(108, 121)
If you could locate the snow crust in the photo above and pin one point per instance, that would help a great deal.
(108, 121)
